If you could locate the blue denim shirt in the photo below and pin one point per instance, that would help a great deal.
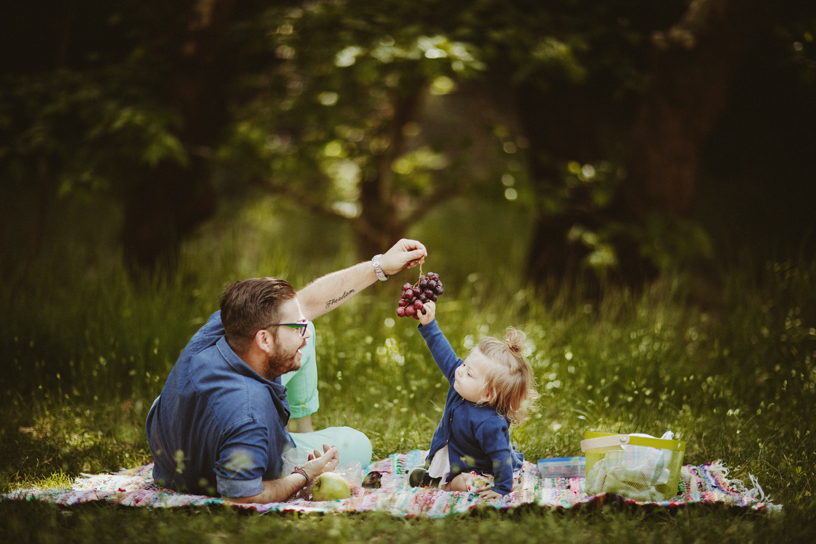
(218, 427)
(478, 437)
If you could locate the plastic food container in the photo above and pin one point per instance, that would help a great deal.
(562, 467)
(648, 471)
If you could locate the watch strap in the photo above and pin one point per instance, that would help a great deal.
(377, 268)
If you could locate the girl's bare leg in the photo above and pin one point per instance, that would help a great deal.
(459, 483)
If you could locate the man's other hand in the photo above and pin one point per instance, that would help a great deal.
(319, 463)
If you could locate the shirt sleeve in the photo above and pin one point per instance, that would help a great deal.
(242, 460)
(491, 436)
(441, 350)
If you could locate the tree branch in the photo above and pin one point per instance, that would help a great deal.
(430, 200)
(305, 201)
(297, 197)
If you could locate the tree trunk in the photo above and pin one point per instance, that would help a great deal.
(160, 212)
(693, 65)
(377, 216)
(560, 126)
(692, 68)
(378, 209)
(169, 201)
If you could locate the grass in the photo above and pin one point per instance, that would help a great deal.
(85, 351)
(104, 524)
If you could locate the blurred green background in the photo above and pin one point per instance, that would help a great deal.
(631, 183)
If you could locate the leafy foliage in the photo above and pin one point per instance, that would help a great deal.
(337, 123)
(87, 128)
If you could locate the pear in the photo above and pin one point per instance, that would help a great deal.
(330, 486)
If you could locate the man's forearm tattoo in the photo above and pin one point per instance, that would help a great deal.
(341, 297)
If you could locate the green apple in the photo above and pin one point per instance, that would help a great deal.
(330, 486)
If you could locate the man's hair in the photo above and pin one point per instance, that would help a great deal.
(248, 306)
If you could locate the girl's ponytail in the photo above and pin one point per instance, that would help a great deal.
(509, 383)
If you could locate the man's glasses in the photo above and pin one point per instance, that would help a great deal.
(299, 325)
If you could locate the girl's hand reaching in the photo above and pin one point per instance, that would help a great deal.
(430, 313)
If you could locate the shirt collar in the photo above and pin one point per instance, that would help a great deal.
(241, 367)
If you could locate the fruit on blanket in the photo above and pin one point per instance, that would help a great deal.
(428, 287)
(330, 486)
(372, 480)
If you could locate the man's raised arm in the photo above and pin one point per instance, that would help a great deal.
(332, 290)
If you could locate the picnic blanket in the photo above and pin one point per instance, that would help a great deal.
(704, 484)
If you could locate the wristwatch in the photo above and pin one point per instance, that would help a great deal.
(377, 268)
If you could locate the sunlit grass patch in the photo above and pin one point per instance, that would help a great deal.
(55, 480)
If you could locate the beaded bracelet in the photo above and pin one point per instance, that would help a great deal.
(298, 470)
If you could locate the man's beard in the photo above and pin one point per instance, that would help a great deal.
(279, 363)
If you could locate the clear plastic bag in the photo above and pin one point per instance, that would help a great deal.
(293, 457)
(636, 472)
(353, 473)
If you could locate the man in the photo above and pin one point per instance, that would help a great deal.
(220, 423)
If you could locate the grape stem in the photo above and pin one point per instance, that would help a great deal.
(421, 260)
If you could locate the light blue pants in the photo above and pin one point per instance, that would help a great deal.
(301, 392)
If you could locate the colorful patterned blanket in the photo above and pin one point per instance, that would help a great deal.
(705, 484)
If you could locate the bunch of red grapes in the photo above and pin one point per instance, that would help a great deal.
(414, 297)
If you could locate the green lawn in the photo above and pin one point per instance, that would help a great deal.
(85, 352)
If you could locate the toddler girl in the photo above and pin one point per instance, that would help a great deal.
(492, 388)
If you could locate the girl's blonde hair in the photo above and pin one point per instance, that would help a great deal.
(509, 383)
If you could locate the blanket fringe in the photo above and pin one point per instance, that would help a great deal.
(755, 492)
